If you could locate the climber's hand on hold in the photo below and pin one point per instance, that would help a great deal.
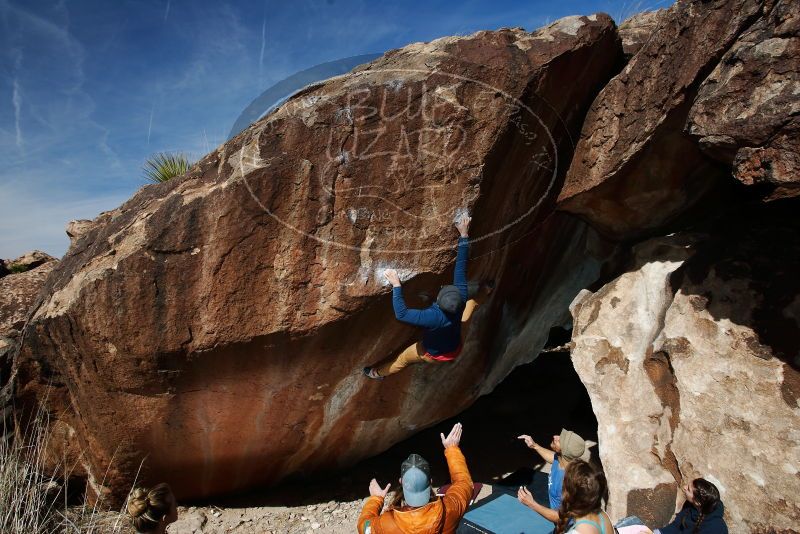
(453, 438)
(462, 225)
(375, 490)
(391, 276)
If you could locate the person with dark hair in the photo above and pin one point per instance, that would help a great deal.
(581, 510)
(701, 513)
(442, 321)
(564, 449)
(151, 510)
(416, 508)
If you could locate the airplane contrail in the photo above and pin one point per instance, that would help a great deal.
(150, 126)
(263, 43)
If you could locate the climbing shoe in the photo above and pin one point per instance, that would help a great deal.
(370, 372)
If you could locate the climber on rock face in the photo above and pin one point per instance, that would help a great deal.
(443, 321)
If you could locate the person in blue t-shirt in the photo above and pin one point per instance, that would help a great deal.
(443, 321)
(565, 447)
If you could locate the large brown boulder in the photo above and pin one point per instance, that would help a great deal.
(635, 168)
(692, 361)
(747, 112)
(212, 329)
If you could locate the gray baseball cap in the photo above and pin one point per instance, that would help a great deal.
(415, 474)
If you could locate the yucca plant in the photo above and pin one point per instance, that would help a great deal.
(166, 165)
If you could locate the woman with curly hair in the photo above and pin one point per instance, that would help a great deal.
(151, 510)
(583, 492)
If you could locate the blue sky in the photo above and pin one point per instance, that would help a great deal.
(90, 88)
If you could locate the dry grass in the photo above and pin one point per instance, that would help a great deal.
(34, 502)
(25, 493)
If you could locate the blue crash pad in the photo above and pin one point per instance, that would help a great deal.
(503, 514)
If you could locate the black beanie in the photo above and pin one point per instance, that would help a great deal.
(449, 299)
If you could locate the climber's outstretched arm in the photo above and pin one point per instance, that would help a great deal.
(460, 274)
(427, 318)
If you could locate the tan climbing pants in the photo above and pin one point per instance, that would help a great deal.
(416, 353)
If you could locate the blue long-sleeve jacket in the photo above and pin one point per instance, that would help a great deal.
(684, 522)
(442, 330)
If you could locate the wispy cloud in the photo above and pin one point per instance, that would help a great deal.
(53, 111)
(111, 155)
(166, 11)
(59, 64)
(59, 161)
(206, 146)
(16, 101)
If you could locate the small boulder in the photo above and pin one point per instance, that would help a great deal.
(76, 228)
(29, 261)
(637, 29)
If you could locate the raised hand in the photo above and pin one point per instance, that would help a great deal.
(528, 440)
(524, 496)
(462, 225)
(453, 438)
(392, 277)
(375, 490)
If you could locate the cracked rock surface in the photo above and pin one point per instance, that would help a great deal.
(691, 361)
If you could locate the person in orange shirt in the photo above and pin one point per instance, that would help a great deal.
(416, 508)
